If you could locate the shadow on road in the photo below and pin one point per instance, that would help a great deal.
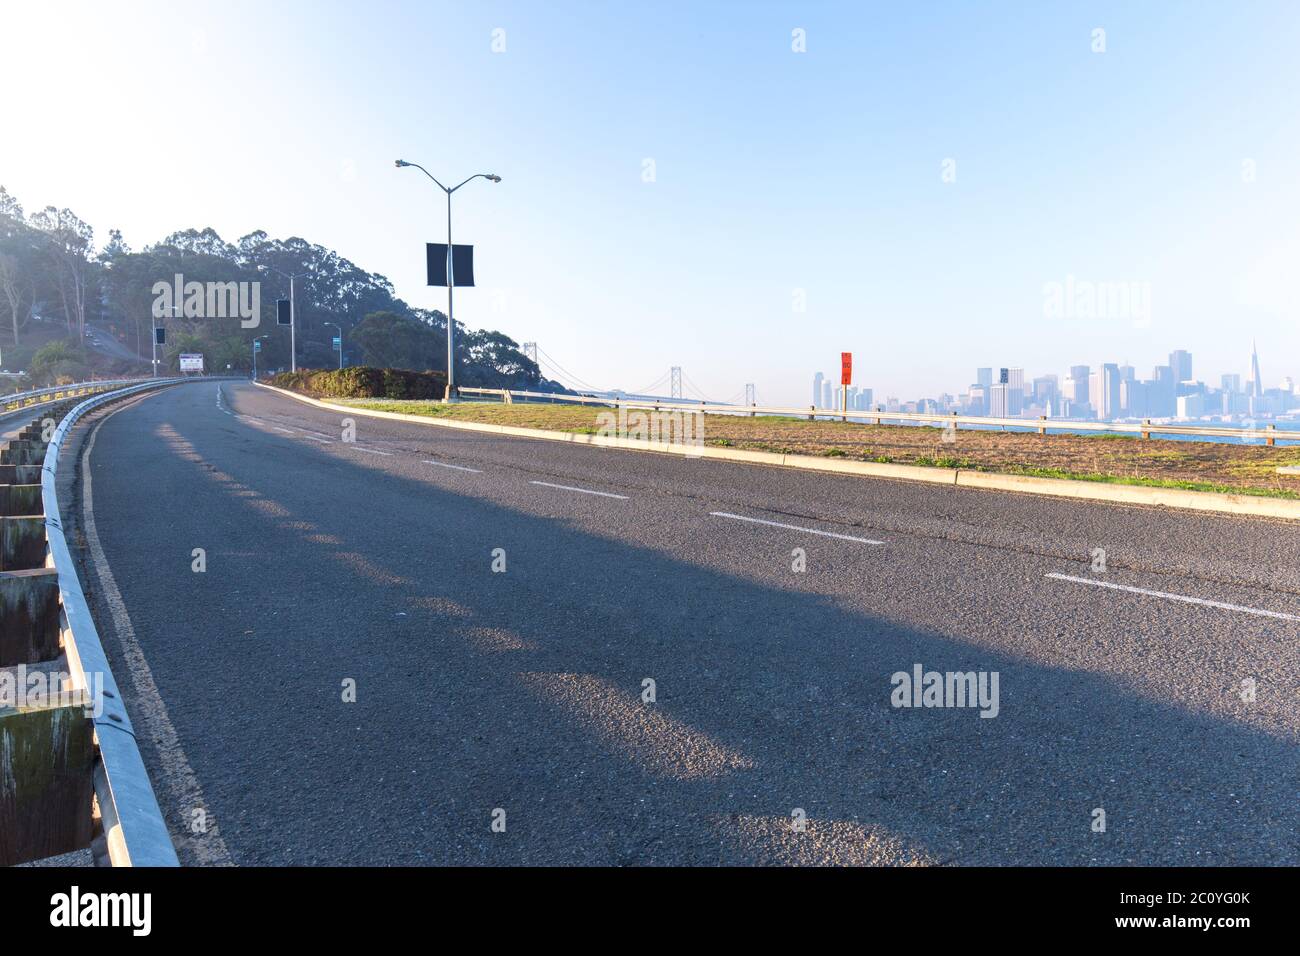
(522, 691)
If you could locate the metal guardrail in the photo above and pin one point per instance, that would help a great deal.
(1146, 429)
(133, 827)
(20, 400)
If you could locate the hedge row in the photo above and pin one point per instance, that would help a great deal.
(361, 381)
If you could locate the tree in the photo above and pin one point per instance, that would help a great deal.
(127, 279)
(56, 363)
(389, 340)
(10, 279)
(48, 260)
(191, 342)
(10, 208)
(493, 357)
(68, 243)
(15, 250)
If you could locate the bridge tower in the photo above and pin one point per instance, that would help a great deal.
(676, 391)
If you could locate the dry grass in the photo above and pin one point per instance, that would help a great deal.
(1205, 466)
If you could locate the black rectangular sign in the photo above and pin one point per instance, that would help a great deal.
(462, 264)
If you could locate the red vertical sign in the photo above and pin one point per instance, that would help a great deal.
(846, 368)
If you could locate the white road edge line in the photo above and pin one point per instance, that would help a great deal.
(148, 707)
(581, 491)
(374, 451)
(790, 527)
(1175, 597)
(443, 464)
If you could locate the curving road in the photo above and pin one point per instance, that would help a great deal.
(108, 345)
(516, 696)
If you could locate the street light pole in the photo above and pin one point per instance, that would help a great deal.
(293, 331)
(451, 313)
(153, 332)
(340, 328)
(255, 341)
(451, 281)
(293, 317)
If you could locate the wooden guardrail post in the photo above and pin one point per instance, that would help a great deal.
(1271, 437)
(47, 758)
(29, 613)
(1146, 432)
(47, 744)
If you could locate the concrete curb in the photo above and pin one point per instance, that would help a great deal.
(1135, 495)
(1287, 509)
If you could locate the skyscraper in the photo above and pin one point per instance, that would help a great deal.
(1108, 398)
(817, 388)
(1046, 393)
(1257, 389)
(1076, 387)
(1135, 396)
(1181, 363)
(984, 376)
(1014, 380)
(998, 400)
(1162, 399)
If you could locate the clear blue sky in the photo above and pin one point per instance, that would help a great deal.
(775, 170)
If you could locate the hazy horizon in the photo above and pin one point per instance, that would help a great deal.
(779, 176)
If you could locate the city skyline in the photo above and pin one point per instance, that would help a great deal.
(1107, 390)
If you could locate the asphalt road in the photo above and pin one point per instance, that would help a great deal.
(109, 345)
(522, 691)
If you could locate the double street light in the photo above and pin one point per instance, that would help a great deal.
(451, 321)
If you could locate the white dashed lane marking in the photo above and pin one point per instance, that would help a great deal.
(1259, 612)
(791, 527)
(443, 464)
(581, 491)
